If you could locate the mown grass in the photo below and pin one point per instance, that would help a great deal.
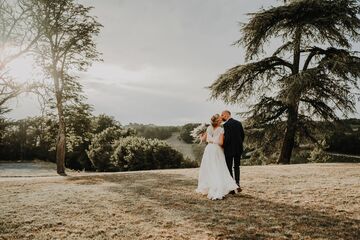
(163, 205)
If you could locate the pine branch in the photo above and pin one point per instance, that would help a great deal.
(238, 82)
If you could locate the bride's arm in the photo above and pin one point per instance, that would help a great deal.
(221, 139)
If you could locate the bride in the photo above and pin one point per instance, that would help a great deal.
(214, 177)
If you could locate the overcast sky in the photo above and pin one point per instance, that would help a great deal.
(159, 56)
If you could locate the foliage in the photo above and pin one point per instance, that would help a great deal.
(35, 138)
(26, 139)
(17, 38)
(335, 158)
(352, 122)
(78, 119)
(117, 150)
(102, 122)
(185, 132)
(318, 155)
(101, 148)
(198, 150)
(346, 143)
(301, 156)
(318, 83)
(79, 123)
(2, 121)
(257, 158)
(152, 131)
(137, 153)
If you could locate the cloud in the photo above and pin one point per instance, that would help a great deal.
(147, 95)
(159, 56)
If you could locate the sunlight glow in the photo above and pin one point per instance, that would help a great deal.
(23, 69)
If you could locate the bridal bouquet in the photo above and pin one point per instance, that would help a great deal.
(198, 132)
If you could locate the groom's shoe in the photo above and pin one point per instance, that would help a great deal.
(239, 189)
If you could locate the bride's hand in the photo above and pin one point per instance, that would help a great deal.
(203, 137)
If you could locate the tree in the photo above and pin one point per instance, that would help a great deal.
(66, 46)
(17, 37)
(101, 147)
(78, 119)
(317, 83)
(102, 122)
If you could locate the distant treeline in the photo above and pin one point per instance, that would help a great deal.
(152, 131)
(345, 138)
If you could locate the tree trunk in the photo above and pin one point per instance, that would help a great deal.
(60, 146)
(293, 103)
(61, 138)
(289, 138)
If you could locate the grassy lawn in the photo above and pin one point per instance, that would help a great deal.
(313, 201)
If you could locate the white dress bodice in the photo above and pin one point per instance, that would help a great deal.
(213, 135)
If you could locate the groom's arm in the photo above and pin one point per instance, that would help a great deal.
(226, 135)
(242, 133)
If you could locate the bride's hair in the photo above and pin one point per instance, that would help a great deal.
(214, 120)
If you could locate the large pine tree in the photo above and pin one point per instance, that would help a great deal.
(313, 75)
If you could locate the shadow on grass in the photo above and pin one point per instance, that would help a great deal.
(240, 216)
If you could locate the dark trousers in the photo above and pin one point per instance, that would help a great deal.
(234, 162)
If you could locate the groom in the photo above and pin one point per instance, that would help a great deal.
(233, 144)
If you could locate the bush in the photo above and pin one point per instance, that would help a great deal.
(198, 150)
(300, 156)
(117, 150)
(138, 153)
(189, 163)
(257, 158)
(341, 142)
(334, 158)
(101, 148)
(318, 155)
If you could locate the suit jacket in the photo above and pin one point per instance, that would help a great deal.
(233, 138)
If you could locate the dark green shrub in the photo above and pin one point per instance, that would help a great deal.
(101, 148)
(137, 153)
(301, 156)
(335, 158)
(341, 142)
(198, 150)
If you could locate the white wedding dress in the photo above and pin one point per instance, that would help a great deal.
(214, 177)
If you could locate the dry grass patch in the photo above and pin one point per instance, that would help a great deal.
(163, 205)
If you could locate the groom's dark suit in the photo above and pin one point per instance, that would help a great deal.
(233, 146)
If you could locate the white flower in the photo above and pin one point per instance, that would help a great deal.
(197, 132)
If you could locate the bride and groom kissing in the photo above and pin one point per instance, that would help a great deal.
(221, 156)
